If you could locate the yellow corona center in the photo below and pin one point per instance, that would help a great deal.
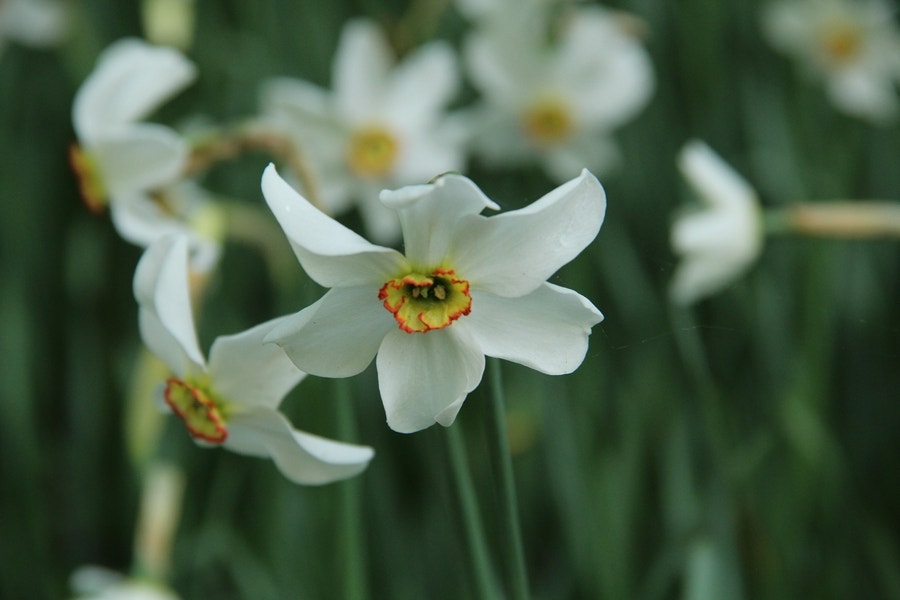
(548, 122)
(196, 407)
(90, 182)
(422, 303)
(843, 41)
(372, 152)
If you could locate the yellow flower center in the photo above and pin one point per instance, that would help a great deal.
(90, 181)
(196, 407)
(548, 122)
(372, 152)
(422, 303)
(843, 41)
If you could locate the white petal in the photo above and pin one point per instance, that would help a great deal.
(162, 292)
(511, 254)
(361, 67)
(382, 224)
(301, 457)
(593, 151)
(246, 371)
(702, 275)
(429, 220)
(424, 377)
(867, 94)
(331, 254)
(422, 85)
(38, 23)
(337, 336)
(131, 79)
(139, 157)
(546, 330)
(295, 99)
(712, 177)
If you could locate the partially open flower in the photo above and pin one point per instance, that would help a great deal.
(233, 399)
(720, 241)
(467, 286)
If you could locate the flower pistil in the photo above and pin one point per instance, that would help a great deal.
(422, 303)
(372, 152)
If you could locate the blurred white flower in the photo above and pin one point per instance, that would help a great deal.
(36, 23)
(719, 242)
(555, 102)
(99, 583)
(132, 165)
(467, 286)
(233, 400)
(853, 46)
(383, 125)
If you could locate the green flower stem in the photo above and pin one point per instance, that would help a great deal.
(838, 219)
(476, 545)
(350, 524)
(501, 462)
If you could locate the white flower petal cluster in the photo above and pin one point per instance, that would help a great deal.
(718, 243)
(98, 583)
(383, 124)
(555, 102)
(233, 399)
(853, 46)
(134, 165)
(37, 23)
(467, 286)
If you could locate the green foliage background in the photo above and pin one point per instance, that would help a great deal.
(746, 448)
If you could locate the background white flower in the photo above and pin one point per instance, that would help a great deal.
(37, 23)
(467, 286)
(383, 125)
(98, 583)
(232, 400)
(557, 102)
(853, 46)
(719, 242)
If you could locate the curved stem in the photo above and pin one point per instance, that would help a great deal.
(838, 219)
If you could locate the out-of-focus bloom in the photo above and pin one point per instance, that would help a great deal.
(383, 126)
(132, 165)
(37, 23)
(233, 400)
(718, 243)
(169, 22)
(98, 583)
(555, 102)
(468, 286)
(853, 46)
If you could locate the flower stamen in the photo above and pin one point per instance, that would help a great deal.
(548, 122)
(372, 152)
(198, 410)
(422, 303)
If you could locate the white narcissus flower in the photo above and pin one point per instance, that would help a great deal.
(98, 583)
(233, 399)
(853, 46)
(37, 23)
(467, 286)
(556, 102)
(718, 243)
(132, 165)
(382, 126)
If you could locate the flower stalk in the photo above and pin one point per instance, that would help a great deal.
(838, 219)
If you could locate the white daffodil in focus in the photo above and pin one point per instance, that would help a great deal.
(556, 101)
(232, 400)
(853, 46)
(135, 166)
(36, 23)
(382, 126)
(719, 242)
(467, 286)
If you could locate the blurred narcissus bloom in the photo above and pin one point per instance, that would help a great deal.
(233, 399)
(556, 102)
(134, 166)
(98, 583)
(383, 125)
(468, 286)
(718, 243)
(36, 23)
(853, 46)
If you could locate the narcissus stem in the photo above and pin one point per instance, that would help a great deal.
(350, 541)
(501, 461)
(838, 219)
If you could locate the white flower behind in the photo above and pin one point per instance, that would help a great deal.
(555, 102)
(853, 46)
(467, 286)
(382, 125)
(233, 399)
(98, 583)
(719, 242)
(36, 23)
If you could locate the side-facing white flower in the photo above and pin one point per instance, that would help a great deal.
(132, 165)
(37, 23)
(718, 243)
(853, 46)
(556, 103)
(98, 583)
(233, 399)
(467, 286)
(383, 125)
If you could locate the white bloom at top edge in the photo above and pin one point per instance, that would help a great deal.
(853, 46)
(233, 399)
(382, 125)
(467, 286)
(555, 102)
(720, 241)
(37, 23)
(98, 583)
